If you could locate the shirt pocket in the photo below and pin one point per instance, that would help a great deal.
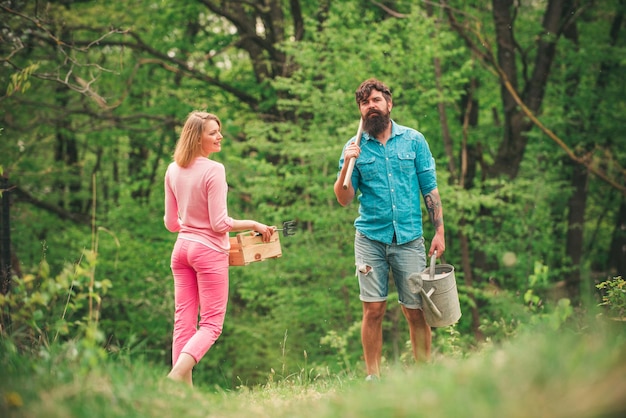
(367, 168)
(406, 161)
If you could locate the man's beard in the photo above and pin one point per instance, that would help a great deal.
(376, 124)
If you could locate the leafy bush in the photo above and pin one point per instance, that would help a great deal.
(41, 309)
(614, 297)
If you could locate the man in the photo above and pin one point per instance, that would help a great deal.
(393, 163)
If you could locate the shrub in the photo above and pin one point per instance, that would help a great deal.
(614, 296)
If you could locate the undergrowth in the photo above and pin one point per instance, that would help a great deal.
(578, 370)
(559, 363)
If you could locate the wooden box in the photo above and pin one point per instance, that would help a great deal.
(248, 247)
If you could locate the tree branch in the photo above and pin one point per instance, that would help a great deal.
(580, 160)
(389, 11)
(24, 196)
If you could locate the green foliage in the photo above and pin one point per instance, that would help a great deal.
(539, 279)
(341, 343)
(44, 309)
(539, 372)
(614, 296)
(450, 343)
(20, 81)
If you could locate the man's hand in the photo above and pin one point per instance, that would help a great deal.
(345, 196)
(438, 244)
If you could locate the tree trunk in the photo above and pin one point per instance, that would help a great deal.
(66, 153)
(393, 315)
(579, 178)
(5, 237)
(469, 282)
(617, 252)
(575, 227)
(516, 125)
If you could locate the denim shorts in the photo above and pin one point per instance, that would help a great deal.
(375, 261)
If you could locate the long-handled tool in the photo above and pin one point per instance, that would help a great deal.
(348, 178)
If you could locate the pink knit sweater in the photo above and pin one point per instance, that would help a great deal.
(195, 203)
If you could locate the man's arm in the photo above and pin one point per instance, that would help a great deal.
(435, 213)
(345, 196)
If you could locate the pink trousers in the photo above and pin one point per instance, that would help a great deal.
(200, 297)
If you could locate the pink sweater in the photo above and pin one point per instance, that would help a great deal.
(195, 203)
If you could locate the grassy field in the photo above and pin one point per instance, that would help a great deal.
(567, 373)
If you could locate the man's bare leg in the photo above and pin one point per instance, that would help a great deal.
(372, 335)
(420, 334)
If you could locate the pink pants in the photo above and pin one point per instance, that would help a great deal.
(200, 282)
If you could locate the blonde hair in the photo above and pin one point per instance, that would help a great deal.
(189, 145)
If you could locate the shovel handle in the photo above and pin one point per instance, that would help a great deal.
(348, 178)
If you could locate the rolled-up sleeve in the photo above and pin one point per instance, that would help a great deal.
(426, 173)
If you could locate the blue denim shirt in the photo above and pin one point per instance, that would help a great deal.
(388, 178)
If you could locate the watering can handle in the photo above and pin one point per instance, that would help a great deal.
(433, 260)
(431, 305)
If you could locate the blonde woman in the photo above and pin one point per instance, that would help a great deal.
(195, 208)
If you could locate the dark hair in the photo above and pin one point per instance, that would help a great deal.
(366, 87)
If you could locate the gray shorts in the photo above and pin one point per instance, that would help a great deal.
(375, 261)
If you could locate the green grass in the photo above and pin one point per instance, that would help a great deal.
(569, 373)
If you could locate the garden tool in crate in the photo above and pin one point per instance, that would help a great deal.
(248, 247)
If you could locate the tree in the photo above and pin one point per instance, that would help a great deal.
(525, 75)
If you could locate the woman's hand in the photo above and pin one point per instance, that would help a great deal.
(265, 230)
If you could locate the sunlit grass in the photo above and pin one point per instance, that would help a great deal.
(572, 372)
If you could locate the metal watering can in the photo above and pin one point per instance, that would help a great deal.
(437, 286)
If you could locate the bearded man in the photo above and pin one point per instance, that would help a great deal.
(393, 167)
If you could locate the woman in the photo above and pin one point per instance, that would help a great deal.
(195, 207)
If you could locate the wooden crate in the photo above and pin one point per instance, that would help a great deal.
(248, 247)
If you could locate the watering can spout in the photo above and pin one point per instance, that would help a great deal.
(417, 286)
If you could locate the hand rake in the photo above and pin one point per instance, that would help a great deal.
(289, 228)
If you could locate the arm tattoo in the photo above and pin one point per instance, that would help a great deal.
(433, 205)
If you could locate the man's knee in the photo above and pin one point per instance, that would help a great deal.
(414, 316)
(374, 311)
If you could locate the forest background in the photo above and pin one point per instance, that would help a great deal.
(522, 103)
